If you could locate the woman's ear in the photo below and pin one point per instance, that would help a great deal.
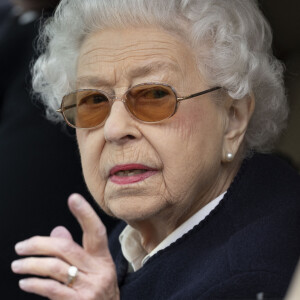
(238, 115)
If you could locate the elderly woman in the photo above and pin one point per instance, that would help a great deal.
(170, 100)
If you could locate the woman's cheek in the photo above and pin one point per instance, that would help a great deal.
(90, 148)
(96, 186)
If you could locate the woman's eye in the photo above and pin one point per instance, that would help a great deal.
(155, 94)
(93, 99)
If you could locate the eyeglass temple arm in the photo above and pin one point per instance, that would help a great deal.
(65, 108)
(198, 94)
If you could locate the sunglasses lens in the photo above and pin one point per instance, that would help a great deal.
(86, 109)
(151, 103)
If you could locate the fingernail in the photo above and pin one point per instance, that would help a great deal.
(20, 247)
(23, 284)
(76, 199)
(16, 265)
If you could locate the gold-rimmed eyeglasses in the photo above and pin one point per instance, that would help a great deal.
(146, 102)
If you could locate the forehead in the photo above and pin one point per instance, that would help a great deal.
(131, 53)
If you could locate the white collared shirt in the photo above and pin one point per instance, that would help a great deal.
(131, 240)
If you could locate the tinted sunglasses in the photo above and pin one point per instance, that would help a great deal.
(146, 102)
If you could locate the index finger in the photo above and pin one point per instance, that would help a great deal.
(94, 232)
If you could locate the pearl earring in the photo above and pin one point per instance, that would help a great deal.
(229, 156)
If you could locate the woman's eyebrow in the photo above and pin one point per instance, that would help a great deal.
(151, 68)
(139, 71)
(93, 81)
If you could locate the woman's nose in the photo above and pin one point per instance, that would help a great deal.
(120, 126)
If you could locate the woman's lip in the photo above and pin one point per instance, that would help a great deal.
(127, 167)
(123, 180)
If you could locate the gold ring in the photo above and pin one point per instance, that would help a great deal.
(72, 274)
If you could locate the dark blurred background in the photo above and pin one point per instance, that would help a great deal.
(39, 163)
(284, 17)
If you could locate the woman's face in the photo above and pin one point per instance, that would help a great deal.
(181, 156)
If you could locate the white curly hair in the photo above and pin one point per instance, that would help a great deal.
(237, 54)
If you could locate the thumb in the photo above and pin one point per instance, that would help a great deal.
(61, 232)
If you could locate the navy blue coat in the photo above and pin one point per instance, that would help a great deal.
(248, 244)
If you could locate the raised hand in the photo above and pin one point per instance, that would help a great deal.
(96, 277)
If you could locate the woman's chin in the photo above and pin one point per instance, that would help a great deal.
(134, 209)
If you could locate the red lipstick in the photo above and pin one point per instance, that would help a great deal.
(130, 173)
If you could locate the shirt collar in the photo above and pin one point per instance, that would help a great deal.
(131, 240)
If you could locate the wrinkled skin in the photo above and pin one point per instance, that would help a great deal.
(188, 152)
